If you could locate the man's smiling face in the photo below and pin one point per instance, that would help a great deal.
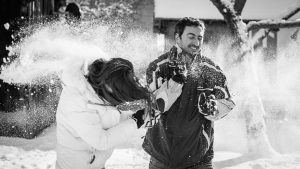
(191, 39)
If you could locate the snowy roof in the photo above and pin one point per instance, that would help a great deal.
(204, 9)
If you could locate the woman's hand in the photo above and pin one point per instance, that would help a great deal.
(139, 117)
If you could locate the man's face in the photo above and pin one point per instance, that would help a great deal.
(191, 39)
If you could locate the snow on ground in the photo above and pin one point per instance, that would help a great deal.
(39, 153)
(17, 158)
(131, 158)
(291, 161)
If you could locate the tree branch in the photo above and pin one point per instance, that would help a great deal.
(272, 24)
(226, 9)
(266, 33)
(291, 13)
(236, 25)
(239, 6)
(234, 21)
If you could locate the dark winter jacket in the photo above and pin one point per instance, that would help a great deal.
(184, 137)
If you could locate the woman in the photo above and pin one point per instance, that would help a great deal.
(88, 122)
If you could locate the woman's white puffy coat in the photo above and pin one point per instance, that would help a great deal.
(87, 130)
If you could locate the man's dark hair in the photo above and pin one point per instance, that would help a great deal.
(187, 21)
(117, 74)
(73, 10)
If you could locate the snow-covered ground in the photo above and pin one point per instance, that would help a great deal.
(39, 153)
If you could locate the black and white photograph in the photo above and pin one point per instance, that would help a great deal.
(149, 84)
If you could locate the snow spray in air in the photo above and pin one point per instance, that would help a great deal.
(36, 61)
(269, 88)
(49, 47)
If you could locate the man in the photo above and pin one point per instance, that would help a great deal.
(183, 138)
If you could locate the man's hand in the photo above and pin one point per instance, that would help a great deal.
(139, 117)
(207, 105)
(213, 109)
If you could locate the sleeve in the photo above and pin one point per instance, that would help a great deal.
(90, 130)
(158, 72)
(223, 98)
(216, 84)
(158, 77)
(224, 104)
(153, 80)
(114, 115)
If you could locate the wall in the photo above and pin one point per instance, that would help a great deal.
(145, 14)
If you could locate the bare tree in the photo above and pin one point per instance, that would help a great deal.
(257, 42)
(258, 142)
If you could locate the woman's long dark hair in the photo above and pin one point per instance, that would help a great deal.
(114, 81)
